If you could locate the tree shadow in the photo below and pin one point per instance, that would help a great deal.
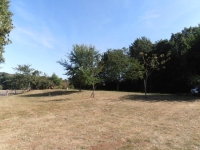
(162, 98)
(56, 100)
(53, 93)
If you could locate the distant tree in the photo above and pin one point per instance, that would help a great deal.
(184, 66)
(40, 81)
(160, 77)
(135, 70)
(35, 79)
(162, 47)
(44, 82)
(82, 65)
(73, 67)
(17, 81)
(5, 26)
(142, 44)
(91, 74)
(152, 62)
(23, 76)
(55, 79)
(115, 62)
(4, 78)
(192, 56)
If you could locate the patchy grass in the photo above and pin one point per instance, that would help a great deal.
(55, 119)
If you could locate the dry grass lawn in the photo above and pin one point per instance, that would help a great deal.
(65, 120)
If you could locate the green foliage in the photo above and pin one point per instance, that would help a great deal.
(1, 54)
(135, 70)
(63, 85)
(83, 65)
(22, 77)
(6, 22)
(115, 64)
(118, 66)
(4, 77)
(26, 78)
(142, 44)
(24, 69)
(56, 80)
(5, 26)
(151, 63)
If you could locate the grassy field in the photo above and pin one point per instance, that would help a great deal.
(62, 120)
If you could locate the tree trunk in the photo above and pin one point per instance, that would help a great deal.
(145, 85)
(80, 88)
(118, 86)
(93, 89)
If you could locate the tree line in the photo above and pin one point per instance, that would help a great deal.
(166, 66)
(28, 78)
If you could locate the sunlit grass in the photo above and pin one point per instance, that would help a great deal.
(54, 119)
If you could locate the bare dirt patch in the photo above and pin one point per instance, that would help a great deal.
(54, 119)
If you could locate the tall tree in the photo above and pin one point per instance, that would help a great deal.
(91, 73)
(184, 66)
(193, 55)
(142, 44)
(77, 59)
(151, 63)
(116, 62)
(5, 26)
(82, 66)
(160, 77)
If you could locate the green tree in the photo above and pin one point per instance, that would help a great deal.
(56, 80)
(23, 76)
(183, 67)
(73, 66)
(135, 70)
(5, 26)
(115, 62)
(35, 79)
(152, 62)
(91, 74)
(193, 55)
(44, 82)
(142, 44)
(17, 81)
(4, 80)
(81, 66)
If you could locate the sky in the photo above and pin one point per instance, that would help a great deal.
(45, 30)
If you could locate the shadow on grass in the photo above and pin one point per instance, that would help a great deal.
(53, 93)
(56, 100)
(162, 98)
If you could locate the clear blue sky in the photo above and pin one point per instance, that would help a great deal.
(45, 30)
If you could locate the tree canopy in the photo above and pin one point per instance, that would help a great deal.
(82, 66)
(142, 44)
(5, 26)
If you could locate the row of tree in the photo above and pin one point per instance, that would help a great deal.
(168, 65)
(29, 78)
